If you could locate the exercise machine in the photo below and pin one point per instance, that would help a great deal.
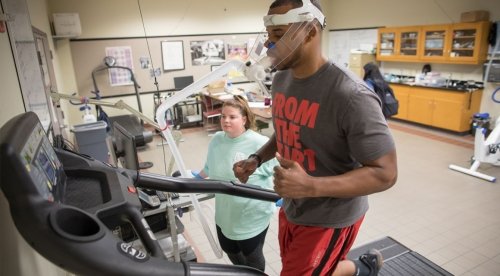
(130, 122)
(66, 205)
(486, 150)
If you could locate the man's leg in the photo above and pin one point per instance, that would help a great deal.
(307, 250)
(368, 264)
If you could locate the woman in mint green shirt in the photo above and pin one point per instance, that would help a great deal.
(242, 223)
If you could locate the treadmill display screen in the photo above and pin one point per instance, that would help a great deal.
(46, 166)
(42, 164)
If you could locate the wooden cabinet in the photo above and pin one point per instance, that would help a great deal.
(469, 42)
(436, 40)
(402, 93)
(446, 109)
(398, 43)
(461, 43)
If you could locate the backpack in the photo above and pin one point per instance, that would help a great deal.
(390, 104)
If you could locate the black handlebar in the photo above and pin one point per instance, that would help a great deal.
(191, 185)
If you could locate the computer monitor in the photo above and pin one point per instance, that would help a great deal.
(125, 149)
(181, 82)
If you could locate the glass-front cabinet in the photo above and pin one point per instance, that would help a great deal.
(436, 39)
(463, 43)
(408, 42)
(398, 43)
(466, 45)
(387, 42)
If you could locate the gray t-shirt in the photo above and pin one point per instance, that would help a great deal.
(329, 123)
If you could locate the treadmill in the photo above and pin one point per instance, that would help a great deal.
(130, 122)
(65, 206)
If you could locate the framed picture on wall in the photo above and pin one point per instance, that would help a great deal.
(172, 53)
(237, 50)
(207, 52)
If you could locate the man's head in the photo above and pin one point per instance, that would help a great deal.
(290, 24)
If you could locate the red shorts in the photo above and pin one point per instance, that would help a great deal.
(310, 250)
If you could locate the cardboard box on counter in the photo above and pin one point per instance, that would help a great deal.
(216, 86)
(475, 16)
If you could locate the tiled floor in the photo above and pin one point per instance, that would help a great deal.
(451, 218)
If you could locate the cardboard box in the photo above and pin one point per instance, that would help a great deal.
(216, 86)
(475, 16)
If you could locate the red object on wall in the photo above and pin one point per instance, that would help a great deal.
(2, 26)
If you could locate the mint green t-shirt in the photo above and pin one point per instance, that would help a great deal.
(239, 218)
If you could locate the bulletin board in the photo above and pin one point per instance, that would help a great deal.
(88, 54)
(344, 40)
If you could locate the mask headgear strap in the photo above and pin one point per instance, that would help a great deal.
(307, 12)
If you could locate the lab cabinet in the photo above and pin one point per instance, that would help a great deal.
(464, 43)
(460, 43)
(435, 43)
(446, 109)
(469, 42)
(398, 44)
(402, 93)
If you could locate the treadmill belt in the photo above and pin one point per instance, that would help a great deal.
(399, 259)
(411, 264)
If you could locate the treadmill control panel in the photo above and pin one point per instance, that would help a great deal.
(42, 164)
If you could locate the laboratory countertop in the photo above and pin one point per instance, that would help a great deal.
(456, 87)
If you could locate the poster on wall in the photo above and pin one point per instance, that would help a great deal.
(123, 57)
(237, 50)
(172, 53)
(207, 52)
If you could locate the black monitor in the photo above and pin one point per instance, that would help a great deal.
(125, 149)
(182, 82)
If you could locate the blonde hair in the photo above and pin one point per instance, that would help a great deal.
(241, 104)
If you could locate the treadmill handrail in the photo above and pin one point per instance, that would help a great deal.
(191, 185)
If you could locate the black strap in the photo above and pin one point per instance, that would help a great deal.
(328, 252)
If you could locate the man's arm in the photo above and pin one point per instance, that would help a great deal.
(268, 150)
(291, 181)
(244, 168)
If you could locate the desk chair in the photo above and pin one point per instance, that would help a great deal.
(211, 113)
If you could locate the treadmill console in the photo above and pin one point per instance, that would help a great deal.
(42, 165)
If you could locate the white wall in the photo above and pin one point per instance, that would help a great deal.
(10, 105)
(122, 18)
(366, 13)
(17, 257)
